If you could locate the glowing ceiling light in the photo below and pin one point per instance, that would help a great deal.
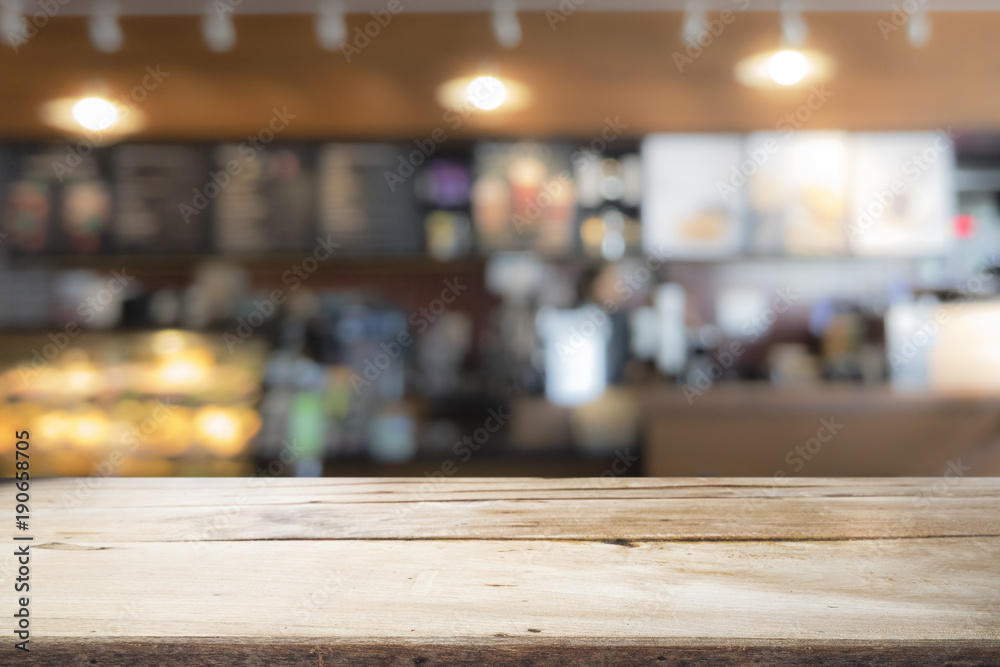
(486, 93)
(95, 113)
(787, 67)
(783, 68)
(100, 119)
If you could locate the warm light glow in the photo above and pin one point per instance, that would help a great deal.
(184, 369)
(486, 93)
(219, 426)
(220, 431)
(52, 427)
(99, 118)
(780, 69)
(181, 372)
(80, 381)
(788, 67)
(91, 429)
(95, 113)
(168, 342)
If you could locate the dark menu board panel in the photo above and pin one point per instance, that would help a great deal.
(269, 203)
(163, 198)
(363, 209)
(55, 200)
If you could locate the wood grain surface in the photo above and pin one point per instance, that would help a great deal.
(594, 66)
(594, 571)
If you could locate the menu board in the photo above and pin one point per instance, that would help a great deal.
(269, 203)
(55, 200)
(901, 190)
(693, 202)
(524, 197)
(164, 193)
(444, 187)
(362, 209)
(797, 192)
(445, 183)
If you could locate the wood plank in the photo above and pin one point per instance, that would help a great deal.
(134, 510)
(497, 571)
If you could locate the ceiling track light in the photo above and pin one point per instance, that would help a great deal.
(217, 27)
(506, 26)
(794, 30)
(918, 28)
(105, 33)
(695, 19)
(331, 26)
(11, 20)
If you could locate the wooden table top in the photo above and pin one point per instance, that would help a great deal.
(511, 571)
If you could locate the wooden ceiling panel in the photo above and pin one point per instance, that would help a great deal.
(592, 66)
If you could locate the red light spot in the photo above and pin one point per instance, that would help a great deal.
(965, 225)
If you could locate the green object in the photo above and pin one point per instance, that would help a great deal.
(307, 424)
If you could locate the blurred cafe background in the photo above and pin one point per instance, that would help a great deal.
(521, 237)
